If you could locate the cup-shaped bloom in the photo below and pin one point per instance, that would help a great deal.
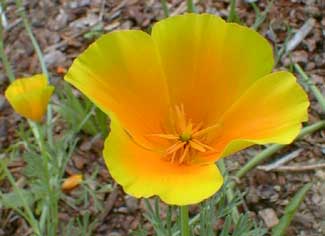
(196, 90)
(30, 96)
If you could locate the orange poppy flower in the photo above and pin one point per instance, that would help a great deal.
(30, 96)
(196, 90)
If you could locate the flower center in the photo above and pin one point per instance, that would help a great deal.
(186, 140)
(185, 137)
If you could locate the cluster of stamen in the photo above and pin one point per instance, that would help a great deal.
(186, 139)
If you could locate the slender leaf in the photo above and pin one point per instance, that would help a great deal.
(290, 211)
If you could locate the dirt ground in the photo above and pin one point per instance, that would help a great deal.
(65, 28)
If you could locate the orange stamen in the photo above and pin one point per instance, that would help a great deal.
(188, 139)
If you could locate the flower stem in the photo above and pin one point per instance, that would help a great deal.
(39, 53)
(232, 17)
(190, 6)
(320, 98)
(165, 7)
(185, 231)
(276, 147)
(3, 55)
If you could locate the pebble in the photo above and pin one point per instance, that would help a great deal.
(3, 102)
(115, 234)
(3, 127)
(131, 203)
(269, 217)
(54, 58)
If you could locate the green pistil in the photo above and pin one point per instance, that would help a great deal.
(184, 137)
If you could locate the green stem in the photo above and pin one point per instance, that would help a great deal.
(37, 135)
(28, 29)
(190, 6)
(320, 98)
(232, 17)
(276, 147)
(185, 230)
(3, 55)
(39, 53)
(192, 221)
(165, 7)
(229, 192)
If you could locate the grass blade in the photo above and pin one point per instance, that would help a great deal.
(290, 211)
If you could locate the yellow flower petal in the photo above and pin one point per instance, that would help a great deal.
(120, 73)
(270, 111)
(208, 63)
(143, 173)
(30, 96)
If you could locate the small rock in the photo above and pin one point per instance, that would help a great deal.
(3, 128)
(79, 161)
(316, 198)
(269, 217)
(317, 79)
(319, 59)
(86, 145)
(322, 226)
(54, 58)
(115, 234)
(3, 102)
(321, 175)
(300, 56)
(122, 210)
(267, 192)
(310, 66)
(252, 196)
(131, 203)
(61, 20)
(79, 3)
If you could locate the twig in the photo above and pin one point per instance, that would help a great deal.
(276, 147)
(301, 167)
(66, 41)
(109, 204)
(281, 161)
(320, 98)
(300, 35)
(102, 11)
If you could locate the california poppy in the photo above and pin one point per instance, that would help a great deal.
(30, 96)
(196, 90)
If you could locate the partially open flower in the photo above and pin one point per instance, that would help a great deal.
(30, 96)
(196, 90)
